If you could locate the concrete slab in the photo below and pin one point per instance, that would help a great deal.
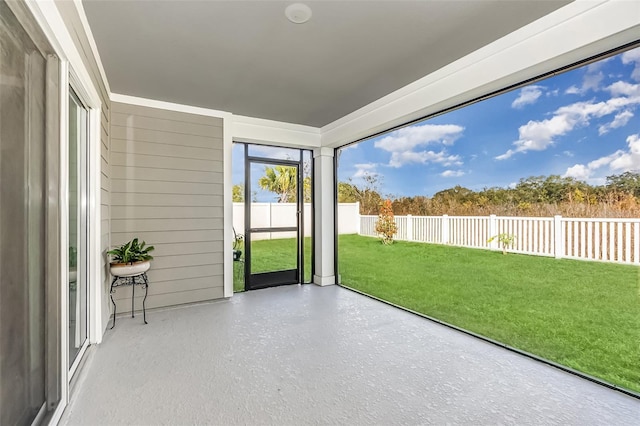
(318, 355)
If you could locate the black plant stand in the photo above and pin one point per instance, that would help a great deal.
(141, 280)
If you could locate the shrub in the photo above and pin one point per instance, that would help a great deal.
(386, 226)
(505, 240)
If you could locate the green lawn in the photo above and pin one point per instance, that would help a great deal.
(585, 315)
(272, 255)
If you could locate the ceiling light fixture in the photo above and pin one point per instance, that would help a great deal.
(298, 13)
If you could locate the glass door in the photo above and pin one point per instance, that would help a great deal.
(77, 230)
(23, 293)
(274, 219)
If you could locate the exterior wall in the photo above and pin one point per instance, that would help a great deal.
(167, 189)
(73, 22)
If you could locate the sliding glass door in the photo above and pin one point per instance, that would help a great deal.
(23, 346)
(77, 230)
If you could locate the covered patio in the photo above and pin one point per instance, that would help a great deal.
(322, 355)
(130, 119)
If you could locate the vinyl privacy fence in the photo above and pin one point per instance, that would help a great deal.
(608, 240)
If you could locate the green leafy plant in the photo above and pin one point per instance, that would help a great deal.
(73, 257)
(131, 252)
(238, 242)
(506, 240)
(386, 225)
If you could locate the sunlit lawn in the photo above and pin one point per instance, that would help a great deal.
(585, 315)
(272, 255)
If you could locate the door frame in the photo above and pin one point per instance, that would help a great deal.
(275, 278)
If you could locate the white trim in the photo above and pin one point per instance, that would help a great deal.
(324, 281)
(64, 230)
(52, 24)
(574, 32)
(94, 222)
(227, 141)
(92, 42)
(170, 106)
(261, 131)
(90, 97)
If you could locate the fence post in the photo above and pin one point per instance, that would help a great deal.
(493, 231)
(358, 218)
(445, 229)
(409, 227)
(559, 237)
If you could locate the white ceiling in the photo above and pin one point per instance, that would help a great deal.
(245, 57)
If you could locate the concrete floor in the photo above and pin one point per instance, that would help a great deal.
(310, 355)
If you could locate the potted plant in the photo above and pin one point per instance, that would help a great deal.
(237, 246)
(131, 258)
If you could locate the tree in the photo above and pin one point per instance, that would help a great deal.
(386, 225)
(283, 180)
(627, 182)
(237, 193)
(280, 180)
(367, 194)
(347, 193)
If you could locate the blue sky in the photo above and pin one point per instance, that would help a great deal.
(584, 123)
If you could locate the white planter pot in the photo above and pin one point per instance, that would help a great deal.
(129, 269)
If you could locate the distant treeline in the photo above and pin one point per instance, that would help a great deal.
(533, 196)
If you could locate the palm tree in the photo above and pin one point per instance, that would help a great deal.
(281, 180)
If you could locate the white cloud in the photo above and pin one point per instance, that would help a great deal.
(411, 137)
(452, 173)
(365, 169)
(572, 90)
(398, 159)
(590, 81)
(621, 119)
(579, 171)
(618, 162)
(633, 56)
(403, 144)
(528, 95)
(622, 88)
(539, 135)
(506, 155)
(568, 153)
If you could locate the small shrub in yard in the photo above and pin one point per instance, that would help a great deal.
(505, 240)
(386, 226)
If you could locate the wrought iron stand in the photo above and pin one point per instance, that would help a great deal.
(131, 280)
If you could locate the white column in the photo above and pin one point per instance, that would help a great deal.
(324, 197)
(493, 231)
(445, 229)
(559, 237)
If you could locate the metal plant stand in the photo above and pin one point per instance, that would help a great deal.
(141, 280)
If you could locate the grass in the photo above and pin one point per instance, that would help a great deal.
(585, 315)
(272, 255)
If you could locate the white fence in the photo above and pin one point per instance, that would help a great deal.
(609, 240)
(270, 215)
